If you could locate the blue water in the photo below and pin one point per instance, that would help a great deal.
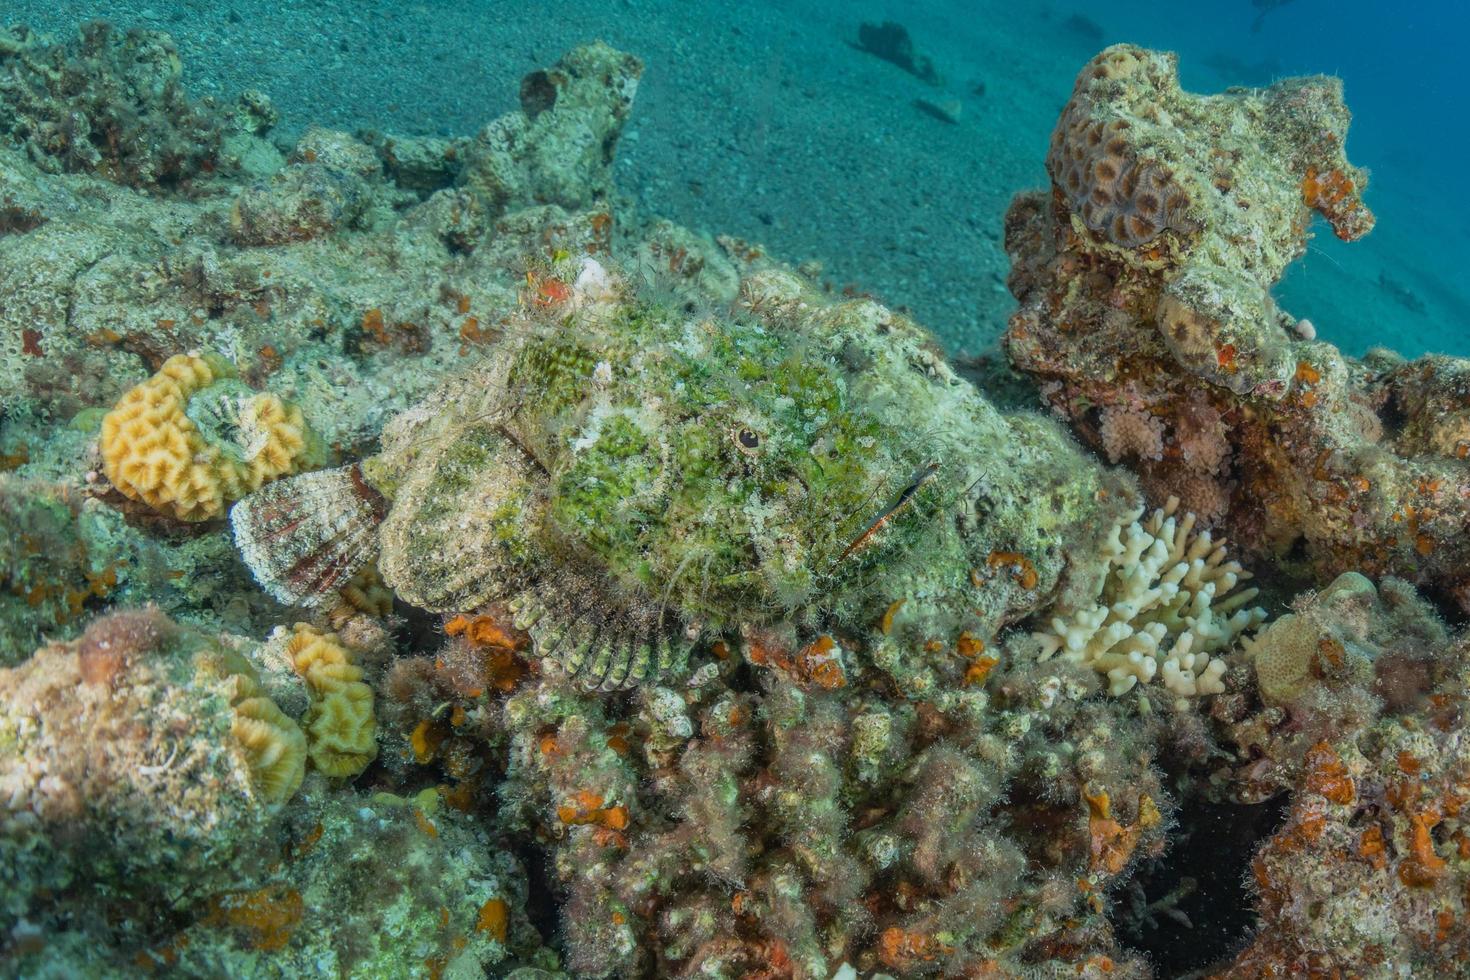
(1403, 68)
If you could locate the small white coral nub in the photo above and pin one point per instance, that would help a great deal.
(1166, 605)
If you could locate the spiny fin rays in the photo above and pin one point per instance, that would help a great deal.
(600, 656)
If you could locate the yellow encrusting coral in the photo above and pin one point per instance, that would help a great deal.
(271, 741)
(340, 724)
(274, 746)
(193, 438)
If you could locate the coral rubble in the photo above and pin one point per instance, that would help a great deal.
(1146, 318)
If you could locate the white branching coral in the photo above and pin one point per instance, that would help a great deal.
(1166, 605)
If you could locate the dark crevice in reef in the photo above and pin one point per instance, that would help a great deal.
(1193, 908)
(419, 630)
(542, 900)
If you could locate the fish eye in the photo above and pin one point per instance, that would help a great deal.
(746, 439)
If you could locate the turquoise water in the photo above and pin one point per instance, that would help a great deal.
(762, 119)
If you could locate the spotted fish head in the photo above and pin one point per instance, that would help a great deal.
(715, 471)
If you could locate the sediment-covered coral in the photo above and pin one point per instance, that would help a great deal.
(136, 763)
(1325, 462)
(1167, 606)
(194, 438)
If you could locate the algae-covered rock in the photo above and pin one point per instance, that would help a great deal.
(138, 765)
(1145, 316)
(370, 888)
(61, 554)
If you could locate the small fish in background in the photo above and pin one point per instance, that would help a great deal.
(1400, 293)
(890, 41)
(1237, 71)
(1084, 27)
(1265, 7)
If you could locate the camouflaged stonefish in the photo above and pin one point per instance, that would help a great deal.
(628, 478)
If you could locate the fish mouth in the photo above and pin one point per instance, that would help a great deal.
(903, 501)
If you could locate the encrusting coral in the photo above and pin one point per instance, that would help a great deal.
(1166, 606)
(1323, 462)
(193, 438)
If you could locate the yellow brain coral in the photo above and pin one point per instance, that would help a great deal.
(272, 743)
(274, 746)
(341, 728)
(194, 438)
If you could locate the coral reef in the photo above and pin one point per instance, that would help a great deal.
(1144, 284)
(136, 762)
(725, 606)
(1364, 722)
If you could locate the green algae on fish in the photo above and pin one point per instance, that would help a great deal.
(628, 477)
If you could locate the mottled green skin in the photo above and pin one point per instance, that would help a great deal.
(720, 471)
(724, 467)
(643, 477)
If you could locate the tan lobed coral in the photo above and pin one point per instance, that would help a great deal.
(1166, 606)
(272, 741)
(193, 438)
(340, 726)
(1325, 463)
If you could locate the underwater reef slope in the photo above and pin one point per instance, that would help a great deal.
(411, 565)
